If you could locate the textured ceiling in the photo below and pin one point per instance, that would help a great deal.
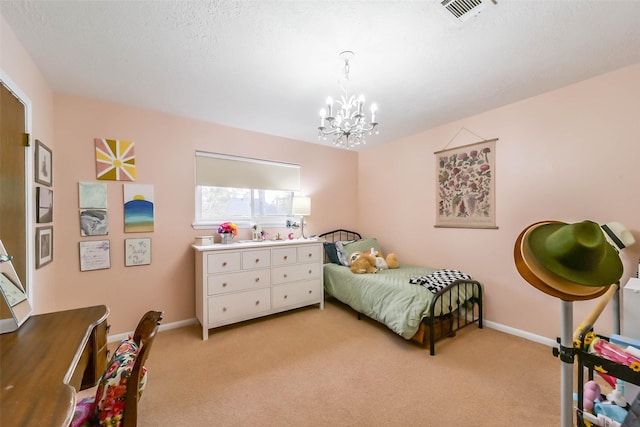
(268, 65)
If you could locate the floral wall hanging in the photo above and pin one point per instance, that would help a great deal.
(465, 186)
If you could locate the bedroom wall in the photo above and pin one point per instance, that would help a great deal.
(17, 67)
(568, 155)
(164, 150)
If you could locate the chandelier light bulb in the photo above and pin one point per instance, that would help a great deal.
(346, 124)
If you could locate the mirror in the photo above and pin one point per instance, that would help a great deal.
(14, 304)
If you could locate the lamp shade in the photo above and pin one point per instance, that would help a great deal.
(301, 206)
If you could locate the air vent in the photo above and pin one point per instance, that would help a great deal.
(461, 10)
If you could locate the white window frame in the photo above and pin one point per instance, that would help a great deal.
(293, 186)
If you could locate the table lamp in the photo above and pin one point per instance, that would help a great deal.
(302, 207)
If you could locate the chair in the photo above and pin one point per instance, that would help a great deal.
(126, 367)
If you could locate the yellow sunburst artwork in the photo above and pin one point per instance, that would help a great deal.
(115, 160)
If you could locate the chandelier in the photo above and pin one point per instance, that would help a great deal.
(345, 122)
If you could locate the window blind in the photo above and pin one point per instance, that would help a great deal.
(219, 170)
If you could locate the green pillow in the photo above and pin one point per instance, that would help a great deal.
(362, 245)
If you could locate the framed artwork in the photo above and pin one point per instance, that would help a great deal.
(94, 222)
(138, 208)
(115, 160)
(465, 186)
(95, 255)
(137, 252)
(44, 164)
(44, 246)
(44, 203)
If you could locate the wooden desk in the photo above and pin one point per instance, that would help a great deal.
(46, 360)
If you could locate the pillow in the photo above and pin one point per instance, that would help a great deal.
(362, 245)
(110, 396)
(343, 257)
(332, 254)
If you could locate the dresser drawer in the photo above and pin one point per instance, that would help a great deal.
(283, 256)
(223, 262)
(256, 259)
(309, 254)
(293, 273)
(238, 305)
(308, 291)
(225, 283)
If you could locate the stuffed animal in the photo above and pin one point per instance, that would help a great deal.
(382, 263)
(361, 263)
(371, 261)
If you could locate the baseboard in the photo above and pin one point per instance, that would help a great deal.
(520, 333)
(163, 327)
(493, 325)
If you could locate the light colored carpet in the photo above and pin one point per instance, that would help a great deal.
(312, 367)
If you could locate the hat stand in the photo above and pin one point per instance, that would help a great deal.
(566, 351)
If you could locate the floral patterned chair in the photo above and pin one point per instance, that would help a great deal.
(120, 387)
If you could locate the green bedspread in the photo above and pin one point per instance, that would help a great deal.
(386, 296)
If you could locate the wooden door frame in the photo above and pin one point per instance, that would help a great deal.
(29, 183)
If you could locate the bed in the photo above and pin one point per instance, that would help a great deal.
(411, 310)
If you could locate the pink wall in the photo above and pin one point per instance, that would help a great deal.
(164, 149)
(21, 71)
(568, 155)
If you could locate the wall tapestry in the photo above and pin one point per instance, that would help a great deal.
(138, 208)
(115, 160)
(465, 186)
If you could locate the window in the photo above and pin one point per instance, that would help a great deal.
(242, 190)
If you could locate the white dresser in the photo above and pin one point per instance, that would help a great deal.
(245, 280)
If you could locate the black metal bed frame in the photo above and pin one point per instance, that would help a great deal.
(468, 312)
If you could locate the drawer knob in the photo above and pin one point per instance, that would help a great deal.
(257, 260)
(285, 275)
(257, 279)
(310, 255)
(224, 309)
(310, 291)
(286, 296)
(224, 264)
(224, 285)
(286, 257)
(258, 302)
(309, 271)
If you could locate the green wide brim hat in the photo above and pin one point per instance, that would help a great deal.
(576, 252)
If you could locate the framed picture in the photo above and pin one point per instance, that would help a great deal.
(44, 202)
(465, 186)
(44, 246)
(95, 255)
(137, 252)
(44, 164)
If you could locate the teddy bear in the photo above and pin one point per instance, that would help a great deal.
(382, 262)
(371, 261)
(361, 263)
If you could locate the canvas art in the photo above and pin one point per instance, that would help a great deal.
(115, 160)
(137, 252)
(94, 222)
(92, 195)
(465, 186)
(95, 255)
(138, 208)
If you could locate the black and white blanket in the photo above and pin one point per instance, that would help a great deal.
(439, 279)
